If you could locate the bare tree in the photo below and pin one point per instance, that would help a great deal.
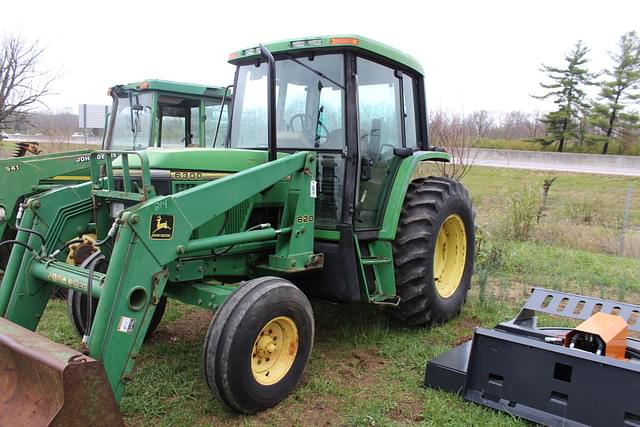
(458, 136)
(57, 127)
(534, 125)
(482, 122)
(513, 125)
(22, 82)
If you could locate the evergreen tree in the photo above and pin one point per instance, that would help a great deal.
(567, 90)
(620, 89)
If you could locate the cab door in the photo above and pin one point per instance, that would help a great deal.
(386, 123)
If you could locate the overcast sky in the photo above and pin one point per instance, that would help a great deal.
(477, 54)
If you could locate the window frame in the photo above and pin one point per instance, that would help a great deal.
(351, 150)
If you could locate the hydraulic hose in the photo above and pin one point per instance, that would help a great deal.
(65, 246)
(19, 243)
(91, 264)
(28, 230)
(112, 232)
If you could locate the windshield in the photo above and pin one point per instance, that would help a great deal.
(309, 104)
(132, 128)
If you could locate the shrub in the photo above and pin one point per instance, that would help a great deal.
(523, 210)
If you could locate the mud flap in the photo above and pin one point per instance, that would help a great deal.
(43, 383)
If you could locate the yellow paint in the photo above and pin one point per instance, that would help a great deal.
(450, 256)
(274, 350)
(71, 178)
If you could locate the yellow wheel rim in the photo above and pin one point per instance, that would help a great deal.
(274, 350)
(450, 256)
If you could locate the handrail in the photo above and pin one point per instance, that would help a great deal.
(103, 182)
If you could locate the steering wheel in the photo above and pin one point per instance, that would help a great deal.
(320, 139)
(303, 120)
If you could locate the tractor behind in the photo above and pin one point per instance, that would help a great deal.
(311, 194)
(151, 113)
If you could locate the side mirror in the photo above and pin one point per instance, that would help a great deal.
(403, 151)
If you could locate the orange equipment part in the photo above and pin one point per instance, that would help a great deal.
(612, 330)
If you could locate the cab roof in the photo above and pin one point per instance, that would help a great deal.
(177, 87)
(342, 40)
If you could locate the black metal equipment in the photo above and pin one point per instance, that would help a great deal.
(529, 372)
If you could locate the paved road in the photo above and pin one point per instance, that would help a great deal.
(44, 140)
(562, 162)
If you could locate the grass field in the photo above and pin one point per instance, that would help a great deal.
(366, 369)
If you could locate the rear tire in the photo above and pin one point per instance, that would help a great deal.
(433, 251)
(258, 345)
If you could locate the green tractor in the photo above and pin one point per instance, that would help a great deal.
(164, 114)
(311, 194)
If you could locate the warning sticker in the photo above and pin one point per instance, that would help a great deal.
(126, 324)
(313, 190)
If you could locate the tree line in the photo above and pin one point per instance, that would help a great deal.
(611, 116)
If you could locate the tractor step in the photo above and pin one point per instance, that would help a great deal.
(375, 260)
(389, 302)
(43, 383)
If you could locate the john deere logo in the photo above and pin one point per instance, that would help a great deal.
(161, 227)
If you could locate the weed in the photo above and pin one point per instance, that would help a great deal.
(523, 208)
(489, 250)
(483, 278)
(622, 290)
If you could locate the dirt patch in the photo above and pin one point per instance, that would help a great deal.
(407, 411)
(355, 369)
(190, 327)
(312, 411)
(465, 328)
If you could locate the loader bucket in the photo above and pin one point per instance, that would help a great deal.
(43, 383)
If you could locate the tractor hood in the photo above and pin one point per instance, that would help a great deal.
(199, 159)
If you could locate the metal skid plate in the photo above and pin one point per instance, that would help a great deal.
(580, 307)
(512, 369)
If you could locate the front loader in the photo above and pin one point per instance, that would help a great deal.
(312, 194)
(151, 113)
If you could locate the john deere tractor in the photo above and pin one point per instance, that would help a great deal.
(312, 194)
(151, 113)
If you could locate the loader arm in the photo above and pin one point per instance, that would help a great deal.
(152, 235)
(21, 177)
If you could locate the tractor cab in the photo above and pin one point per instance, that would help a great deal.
(159, 113)
(339, 97)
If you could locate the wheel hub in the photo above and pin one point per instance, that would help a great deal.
(274, 350)
(450, 256)
(266, 347)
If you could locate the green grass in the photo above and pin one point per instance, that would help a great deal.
(365, 368)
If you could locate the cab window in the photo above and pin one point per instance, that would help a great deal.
(212, 116)
(380, 130)
(178, 121)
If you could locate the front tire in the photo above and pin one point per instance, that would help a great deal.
(258, 344)
(433, 251)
